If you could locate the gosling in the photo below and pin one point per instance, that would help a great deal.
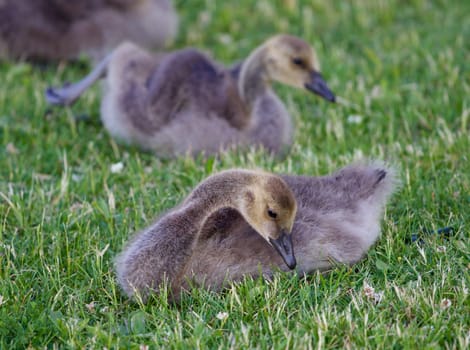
(184, 102)
(226, 229)
(52, 30)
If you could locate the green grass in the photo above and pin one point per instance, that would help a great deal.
(402, 66)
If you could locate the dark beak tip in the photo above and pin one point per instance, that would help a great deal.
(291, 265)
(318, 86)
(284, 247)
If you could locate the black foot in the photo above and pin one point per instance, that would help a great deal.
(58, 96)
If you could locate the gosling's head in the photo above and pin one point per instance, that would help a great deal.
(270, 208)
(292, 61)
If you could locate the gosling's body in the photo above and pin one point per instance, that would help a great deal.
(337, 220)
(184, 102)
(50, 30)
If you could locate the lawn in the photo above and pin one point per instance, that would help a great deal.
(401, 70)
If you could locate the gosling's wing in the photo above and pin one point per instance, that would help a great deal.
(189, 80)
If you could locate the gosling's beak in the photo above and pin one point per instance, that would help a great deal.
(318, 86)
(285, 248)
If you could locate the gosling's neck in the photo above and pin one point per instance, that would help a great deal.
(224, 190)
(253, 79)
(217, 192)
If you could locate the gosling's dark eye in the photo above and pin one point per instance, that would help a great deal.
(272, 214)
(298, 62)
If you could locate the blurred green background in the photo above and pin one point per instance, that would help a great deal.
(401, 70)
